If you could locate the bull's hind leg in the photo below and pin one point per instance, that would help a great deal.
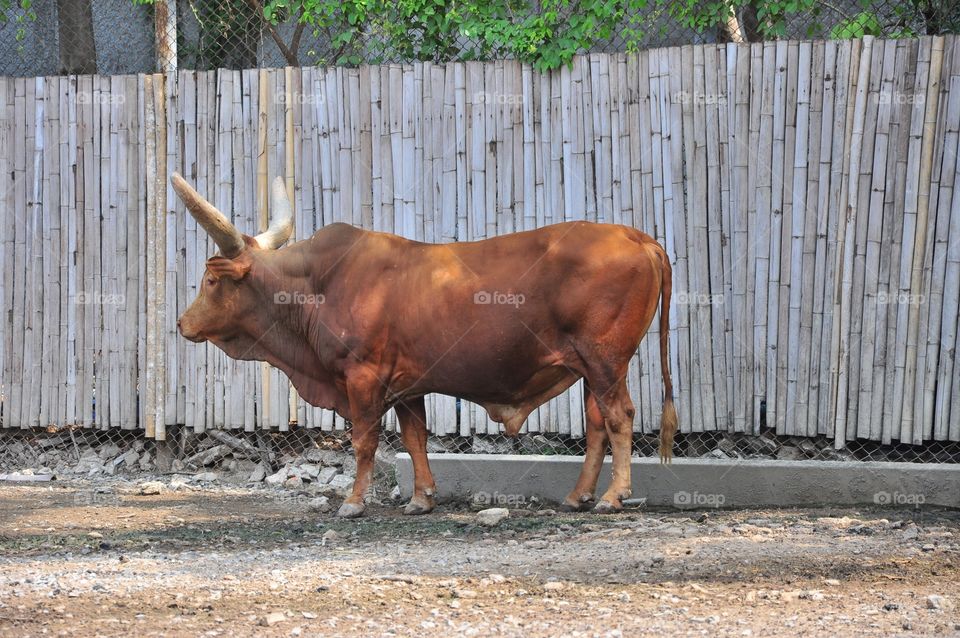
(618, 412)
(413, 430)
(582, 493)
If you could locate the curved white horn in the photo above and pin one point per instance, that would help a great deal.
(227, 237)
(281, 226)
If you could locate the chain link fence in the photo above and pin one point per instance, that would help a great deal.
(253, 457)
(108, 37)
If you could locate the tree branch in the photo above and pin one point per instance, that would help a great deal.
(290, 56)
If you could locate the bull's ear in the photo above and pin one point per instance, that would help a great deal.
(235, 269)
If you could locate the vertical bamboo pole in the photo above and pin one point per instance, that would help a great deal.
(160, 257)
(920, 237)
(264, 217)
(148, 393)
(290, 170)
(847, 231)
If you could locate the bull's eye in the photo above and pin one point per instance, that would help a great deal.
(211, 281)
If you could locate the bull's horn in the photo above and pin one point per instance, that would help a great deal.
(225, 234)
(281, 227)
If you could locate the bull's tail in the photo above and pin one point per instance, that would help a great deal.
(668, 419)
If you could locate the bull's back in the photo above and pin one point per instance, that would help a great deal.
(506, 307)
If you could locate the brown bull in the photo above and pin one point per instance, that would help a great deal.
(364, 321)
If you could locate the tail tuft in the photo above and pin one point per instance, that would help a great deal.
(668, 420)
(668, 427)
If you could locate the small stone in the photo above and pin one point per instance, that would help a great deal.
(319, 504)
(309, 470)
(929, 547)
(341, 484)
(95, 535)
(553, 585)
(277, 478)
(151, 488)
(936, 601)
(488, 445)
(325, 474)
(832, 582)
(492, 516)
(258, 474)
(178, 483)
(293, 483)
(308, 615)
(330, 535)
(272, 619)
(537, 543)
(109, 451)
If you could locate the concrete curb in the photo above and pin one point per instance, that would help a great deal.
(509, 479)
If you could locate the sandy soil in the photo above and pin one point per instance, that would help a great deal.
(100, 559)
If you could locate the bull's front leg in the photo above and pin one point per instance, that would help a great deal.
(365, 437)
(365, 393)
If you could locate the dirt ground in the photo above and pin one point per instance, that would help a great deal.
(80, 558)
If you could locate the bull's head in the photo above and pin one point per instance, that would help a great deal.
(219, 311)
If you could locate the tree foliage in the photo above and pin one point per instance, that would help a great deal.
(546, 33)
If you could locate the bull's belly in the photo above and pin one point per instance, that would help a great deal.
(511, 405)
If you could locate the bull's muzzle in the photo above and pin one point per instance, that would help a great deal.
(189, 334)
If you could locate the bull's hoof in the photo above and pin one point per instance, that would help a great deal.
(419, 506)
(574, 503)
(350, 510)
(582, 506)
(606, 507)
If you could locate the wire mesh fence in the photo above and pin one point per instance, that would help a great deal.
(48, 37)
(255, 457)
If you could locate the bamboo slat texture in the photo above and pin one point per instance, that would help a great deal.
(808, 194)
